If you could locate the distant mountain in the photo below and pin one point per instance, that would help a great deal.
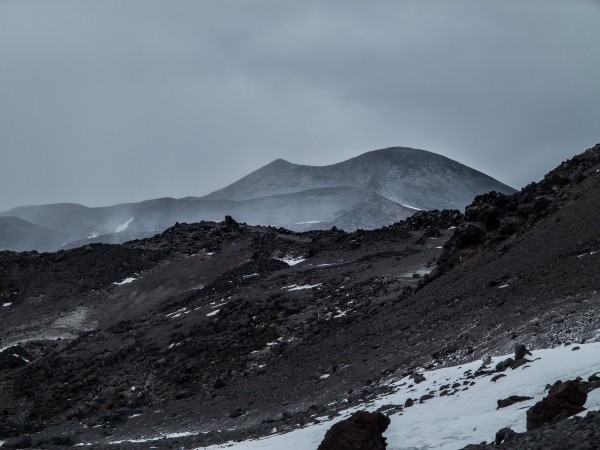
(372, 190)
(20, 235)
(407, 176)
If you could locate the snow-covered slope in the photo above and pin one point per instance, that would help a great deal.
(411, 177)
(468, 416)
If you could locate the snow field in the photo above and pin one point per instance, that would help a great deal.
(469, 416)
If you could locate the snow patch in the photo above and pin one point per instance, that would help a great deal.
(411, 207)
(292, 260)
(308, 222)
(294, 287)
(419, 272)
(6, 304)
(340, 313)
(453, 421)
(123, 226)
(213, 313)
(176, 313)
(125, 281)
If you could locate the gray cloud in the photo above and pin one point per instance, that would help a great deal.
(111, 101)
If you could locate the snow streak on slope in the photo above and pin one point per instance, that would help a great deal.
(469, 416)
(123, 226)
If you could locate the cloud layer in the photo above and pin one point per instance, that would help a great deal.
(110, 101)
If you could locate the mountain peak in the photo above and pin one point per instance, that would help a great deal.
(279, 162)
(403, 175)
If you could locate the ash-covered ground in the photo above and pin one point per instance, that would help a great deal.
(213, 332)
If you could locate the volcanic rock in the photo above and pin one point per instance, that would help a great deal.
(512, 400)
(504, 435)
(503, 365)
(521, 351)
(564, 400)
(362, 431)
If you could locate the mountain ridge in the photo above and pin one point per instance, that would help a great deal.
(281, 176)
(368, 191)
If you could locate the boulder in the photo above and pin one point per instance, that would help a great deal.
(512, 400)
(564, 400)
(503, 365)
(417, 377)
(521, 351)
(230, 222)
(505, 435)
(362, 431)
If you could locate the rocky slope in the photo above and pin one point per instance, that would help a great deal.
(366, 192)
(205, 333)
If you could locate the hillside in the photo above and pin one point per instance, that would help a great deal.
(20, 235)
(367, 192)
(269, 329)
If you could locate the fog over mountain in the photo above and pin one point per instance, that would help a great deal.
(372, 190)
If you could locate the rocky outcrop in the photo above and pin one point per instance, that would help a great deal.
(504, 435)
(519, 359)
(563, 400)
(521, 351)
(494, 217)
(362, 431)
(581, 433)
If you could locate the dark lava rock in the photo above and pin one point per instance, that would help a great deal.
(564, 400)
(504, 435)
(230, 222)
(503, 365)
(575, 434)
(362, 431)
(425, 397)
(512, 400)
(521, 351)
(418, 377)
(497, 377)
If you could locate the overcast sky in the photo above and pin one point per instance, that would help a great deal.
(111, 101)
